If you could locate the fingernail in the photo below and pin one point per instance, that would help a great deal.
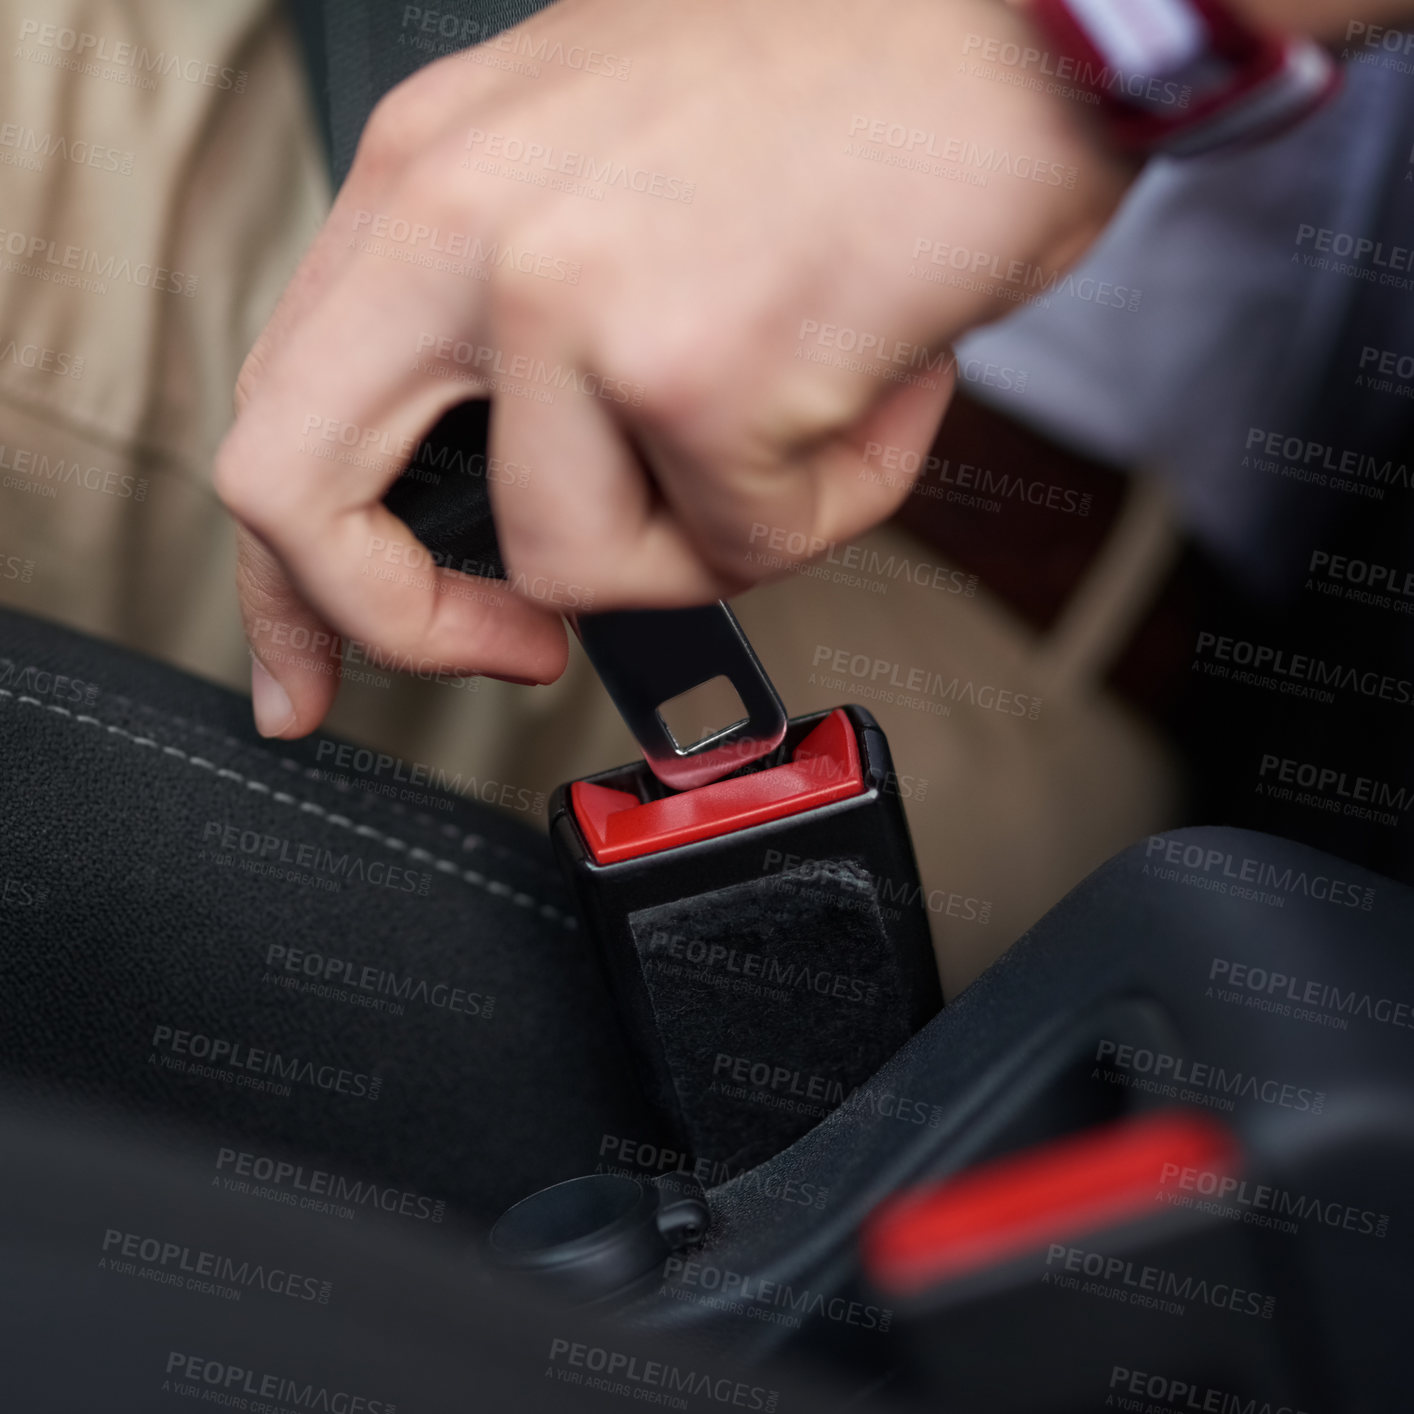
(273, 709)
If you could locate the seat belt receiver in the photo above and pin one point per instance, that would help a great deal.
(765, 936)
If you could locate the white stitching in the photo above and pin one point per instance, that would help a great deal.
(369, 799)
(492, 886)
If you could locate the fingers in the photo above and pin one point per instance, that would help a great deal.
(345, 402)
(684, 522)
(298, 653)
(294, 666)
(906, 420)
(588, 520)
(805, 489)
(370, 576)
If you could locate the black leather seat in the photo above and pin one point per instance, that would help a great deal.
(158, 856)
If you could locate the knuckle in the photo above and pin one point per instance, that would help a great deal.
(678, 380)
(427, 190)
(395, 128)
(518, 298)
(726, 550)
(527, 555)
(229, 479)
(263, 501)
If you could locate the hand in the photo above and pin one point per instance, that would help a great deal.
(699, 302)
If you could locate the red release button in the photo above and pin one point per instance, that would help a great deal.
(824, 767)
(1005, 1208)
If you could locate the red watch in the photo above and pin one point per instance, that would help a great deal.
(1185, 77)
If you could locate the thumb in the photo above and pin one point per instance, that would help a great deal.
(295, 664)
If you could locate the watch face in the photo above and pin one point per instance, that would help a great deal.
(1143, 38)
(1184, 77)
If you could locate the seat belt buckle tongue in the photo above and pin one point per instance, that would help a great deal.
(765, 935)
(648, 657)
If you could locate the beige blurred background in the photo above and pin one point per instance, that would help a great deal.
(114, 395)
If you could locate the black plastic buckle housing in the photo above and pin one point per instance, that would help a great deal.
(763, 975)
